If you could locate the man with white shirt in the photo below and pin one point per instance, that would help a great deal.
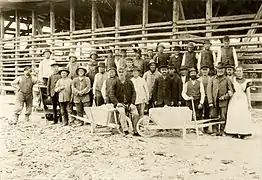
(45, 70)
(194, 90)
(190, 57)
(227, 55)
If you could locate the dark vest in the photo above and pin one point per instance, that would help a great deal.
(26, 85)
(191, 60)
(227, 57)
(110, 63)
(193, 90)
(207, 58)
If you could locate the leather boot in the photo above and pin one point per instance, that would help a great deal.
(14, 120)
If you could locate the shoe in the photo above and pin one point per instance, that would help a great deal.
(27, 118)
(14, 121)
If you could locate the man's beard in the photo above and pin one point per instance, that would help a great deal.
(193, 77)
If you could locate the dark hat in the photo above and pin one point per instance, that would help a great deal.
(177, 48)
(47, 50)
(137, 51)
(183, 68)
(27, 68)
(61, 69)
(161, 45)
(81, 67)
(226, 39)
(204, 67)
(110, 51)
(230, 66)
(129, 59)
(111, 68)
(135, 68)
(54, 63)
(220, 65)
(101, 64)
(163, 66)
(151, 62)
(207, 42)
(192, 69)
(72, 55)
(93, 53)
(171, 66)
(123, 50)
(150, 49)
(190, 44)
(92, 63)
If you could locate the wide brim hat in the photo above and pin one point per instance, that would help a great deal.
(111, 68)
(63, 69)
(220, 66)
(204, 67)
(226, 39)
(190, 44)
(161, 45)
(151, 62)
(93, 53)
(191, 70)
(54, 63)
(177, 48)
(81, 67)
(183, 68)
(92, 63)
(171, 66)
(27, 68)
(230, 66)
(207, 42)
(101, 64)
(162, 66)
(72, 55)
(47, 50)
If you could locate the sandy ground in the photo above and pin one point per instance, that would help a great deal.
(39, 151)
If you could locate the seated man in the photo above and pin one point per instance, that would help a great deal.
(121, 92)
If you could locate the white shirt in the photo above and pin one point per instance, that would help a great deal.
(202, 92)
(183, 78)
(199, 59)
(45, 69)
(142, 93)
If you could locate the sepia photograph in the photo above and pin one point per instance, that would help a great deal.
(130, 89)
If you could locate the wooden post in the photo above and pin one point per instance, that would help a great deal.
(175, 18)
(2, 28)
(33, 37)
(52, 24)
(17, 34)
(93, 20)
(72, 21)
(144, 22)
(117, 21)
(208, 16)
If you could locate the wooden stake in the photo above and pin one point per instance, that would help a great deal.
(72, 21)
(117, 21)
(33, 36)
(208, 16)
(17, 34)
(175, 17)
(144, 23)
(93, 19)
(52, 23)
(1, 49)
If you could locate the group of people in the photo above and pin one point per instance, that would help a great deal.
(214, 85)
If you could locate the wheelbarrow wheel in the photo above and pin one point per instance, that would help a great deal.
(143, 125)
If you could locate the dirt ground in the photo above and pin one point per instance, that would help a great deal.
(39, 151)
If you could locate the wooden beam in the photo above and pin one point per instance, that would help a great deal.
(93, 19)
(144, 23)
(175, 17)
(2, 27)
(208, 16)
(72, 15)
(52, 17)
(117, 21)
(17, 34)
(33, 36)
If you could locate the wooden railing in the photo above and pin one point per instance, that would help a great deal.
(26, 50)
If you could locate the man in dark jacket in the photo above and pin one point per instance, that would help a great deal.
(161, 58)
(177, 85)
(176, 59)
(121, 92)
(163, 89)
(189, 58)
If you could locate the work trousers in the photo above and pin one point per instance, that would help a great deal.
(21, 99)
(80, 108)
(206, 111)
(55, 104)
(66, 108)
(218, 112)
(141, 109)
(198, 111)
(99, 99)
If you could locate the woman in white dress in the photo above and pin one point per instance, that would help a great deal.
(238, 115)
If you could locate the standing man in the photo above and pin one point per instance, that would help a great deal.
(176, 59)
(149, 56)
(72, 66)
(100, 77)
(121, 61)
(177, 85)
(227, 55)
(110, 60)
(91, 74)
(219, 91)
(139, 62)
(150, 77)
(206, 58)
(194, 90)
(161, 58)
(45, 70)
(163, 89)
(189, 58)
(24, 94)
(230, 70)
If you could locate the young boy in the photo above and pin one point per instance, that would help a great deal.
(227, 55)
(64, 88)
(206, 58)
(219, 91)
(72, 66)
(121, 61)
(138, 62)
(142, 94)
(110, 61)
(176, 59)
(163, 92)
(52, 95)
(189, 58)
(230, 70)
(100, 77)
(204, 79)
(24, 94)
(81, 86)
(44, 69)
(129, 68)
(194, 90)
